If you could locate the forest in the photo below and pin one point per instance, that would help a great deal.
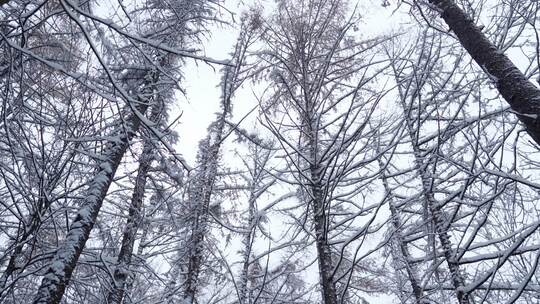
(269, 151)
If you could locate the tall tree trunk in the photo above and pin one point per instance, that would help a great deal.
(128, 289)
(430, 205)
(434, 209)
(256, 189)
(247, 242)
(202, 187)
(67, 254)
(319, 203)
(522, 95)
(404, 254)
(122, 271)
(200, 194)
(324, 254)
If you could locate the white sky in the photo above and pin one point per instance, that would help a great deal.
(202, 81)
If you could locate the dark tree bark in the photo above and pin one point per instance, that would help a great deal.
(63, 263)
(522, 95)
(121, 271)
(319, 204)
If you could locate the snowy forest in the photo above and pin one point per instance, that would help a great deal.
(269, 151)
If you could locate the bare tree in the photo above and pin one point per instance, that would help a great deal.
(201, 186)
(457, 138)
(379, 166)
(134, 221)
(318, 112)
(42, 109)
(138, 91)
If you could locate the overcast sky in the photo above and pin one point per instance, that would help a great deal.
(202, 80)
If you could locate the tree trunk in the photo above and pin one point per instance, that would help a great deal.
(324, 253)
(249, 237)
(128, 289)
(429, 202)
(436, 215)
(256, 189)
(320, 218)
(200, 191)
(121, 271)
(200, 194)
(63, 263)
(522, 95)
(404, 253)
